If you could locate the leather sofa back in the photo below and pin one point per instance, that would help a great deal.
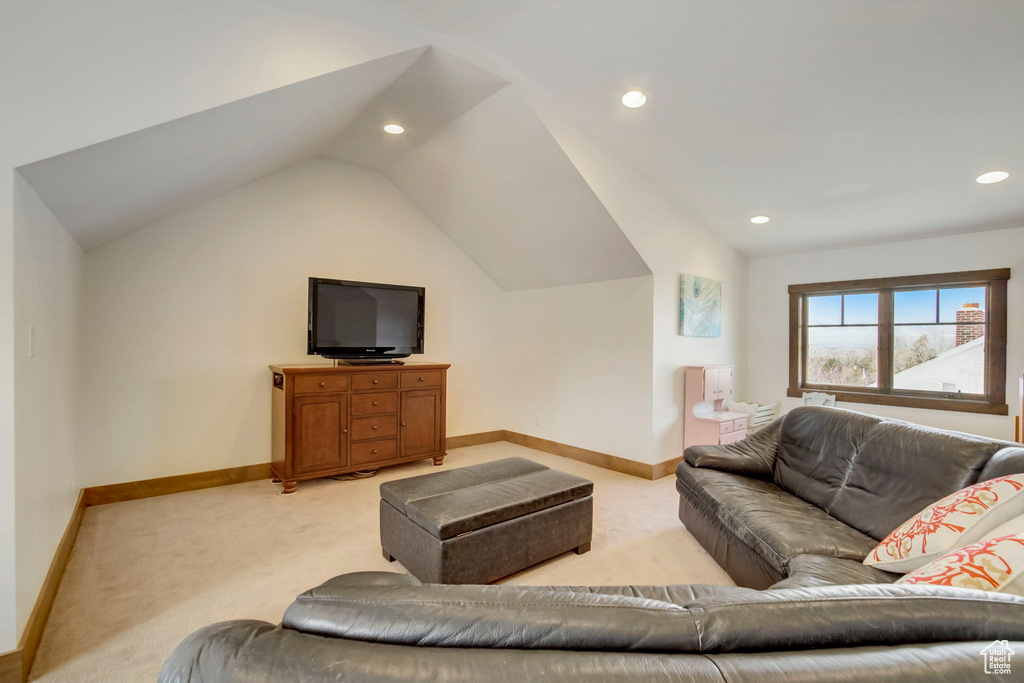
(902, 468)
(874, 474)
(817, 447)
(362, 607)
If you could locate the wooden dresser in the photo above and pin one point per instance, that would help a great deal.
(705, 423)
(329, 420)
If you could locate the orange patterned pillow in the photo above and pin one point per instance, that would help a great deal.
(994, 564)
(957, 520)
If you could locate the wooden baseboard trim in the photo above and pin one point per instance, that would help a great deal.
(147, 488)
(10, 666)
(474, 439)
(33, 633)
(609, 462)
(665, 468)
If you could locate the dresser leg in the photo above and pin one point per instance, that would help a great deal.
(438, 460)
(289, 486)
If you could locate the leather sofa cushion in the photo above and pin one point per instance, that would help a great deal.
(901, 468)
(776, 524)
(816, 448)
(819, 570)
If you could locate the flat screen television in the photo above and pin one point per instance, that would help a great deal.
(363, 320)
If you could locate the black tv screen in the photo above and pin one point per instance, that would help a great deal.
(364, 320)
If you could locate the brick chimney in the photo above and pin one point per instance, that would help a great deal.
(969, 313)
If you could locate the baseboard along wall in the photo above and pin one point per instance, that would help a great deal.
(16, 665)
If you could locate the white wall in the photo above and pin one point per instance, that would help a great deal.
(578, 360)
(49, 269)
(671, 242)
(768, 303)
(8, 596)
(183, 316)
(114, 66)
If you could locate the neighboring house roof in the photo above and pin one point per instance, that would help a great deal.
(953, 366)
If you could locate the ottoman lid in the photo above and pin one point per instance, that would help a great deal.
(508, 489)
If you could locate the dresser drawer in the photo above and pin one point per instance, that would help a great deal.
(320, 384)
(380, 427)
(724, 427)
(428, 378)
(373, 451)
(375, 404)
(371, 381)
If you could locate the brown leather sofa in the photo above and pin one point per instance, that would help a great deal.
(805, 499)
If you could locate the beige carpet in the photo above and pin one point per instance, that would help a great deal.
(144, 574)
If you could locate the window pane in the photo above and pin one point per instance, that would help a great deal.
(824, 310)
(860, 309)
(915, 306)
(842, 356)
(945, 358)
(962, 304)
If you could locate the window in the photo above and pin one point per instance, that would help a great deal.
(924, 341)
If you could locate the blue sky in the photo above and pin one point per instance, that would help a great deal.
(917, 306)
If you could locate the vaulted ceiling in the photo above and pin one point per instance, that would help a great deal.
(847, 121)
(474, 157)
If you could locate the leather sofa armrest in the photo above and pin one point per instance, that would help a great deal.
(753, 456)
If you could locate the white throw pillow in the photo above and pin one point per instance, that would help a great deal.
(995, 564)
(957, 520)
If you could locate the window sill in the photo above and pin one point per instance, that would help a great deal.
(928, 403)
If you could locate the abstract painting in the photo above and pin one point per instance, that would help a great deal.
(700, 306)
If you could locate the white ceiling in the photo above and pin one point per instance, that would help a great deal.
(477, 161)
(500, 186)
(846, 121)
(109, 189)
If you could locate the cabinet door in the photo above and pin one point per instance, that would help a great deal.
(710, 384)
(321, 433)
(421, 422)
(725, 383)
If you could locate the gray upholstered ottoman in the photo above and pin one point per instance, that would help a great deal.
(477, 524)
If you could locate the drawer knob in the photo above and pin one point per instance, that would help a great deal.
(403, 424)
(375, 426)
(375, 451)
(421, 379)
(323, 384)
(375, 381)
(344, 431)
(374, 403)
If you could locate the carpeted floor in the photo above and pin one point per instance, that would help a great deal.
(146, 573)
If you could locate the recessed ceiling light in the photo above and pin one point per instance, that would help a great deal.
(634, 99)
(992, 177)
(394, 129)
(758, 220)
